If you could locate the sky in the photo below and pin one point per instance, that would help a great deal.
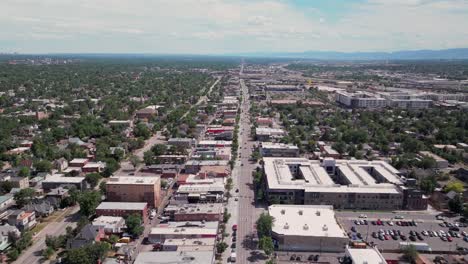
(230, 26)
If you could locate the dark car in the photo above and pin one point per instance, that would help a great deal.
(403, 238)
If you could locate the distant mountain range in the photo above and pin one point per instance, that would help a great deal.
(446, 54)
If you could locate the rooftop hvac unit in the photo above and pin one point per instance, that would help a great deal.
(306, 227)
(301, 212)
(317, 213)
(325, 228)
(283, 211)
(286, 226)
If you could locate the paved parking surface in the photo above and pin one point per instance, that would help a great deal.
(424, 222)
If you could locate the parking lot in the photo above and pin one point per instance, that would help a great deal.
(387, 230)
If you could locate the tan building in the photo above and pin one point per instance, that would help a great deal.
(345, 184)
(307, 228)
(134, 189)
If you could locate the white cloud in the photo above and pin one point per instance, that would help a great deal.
(217, 26)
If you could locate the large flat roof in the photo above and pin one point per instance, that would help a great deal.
(198, 208)
(365, 255)
(56, 178)
(121, 206)
(305, 220)
(175, 257)
(133, 180)
(362, 176)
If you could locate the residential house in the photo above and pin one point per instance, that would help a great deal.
(146, 113)
(22, 219)
(6, 201)
(89, 234)
(42, 208)
(94, 167)
(6, 232)
(61, 164)
(55, 196)
(19, 182)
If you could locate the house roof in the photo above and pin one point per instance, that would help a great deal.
(88, 232)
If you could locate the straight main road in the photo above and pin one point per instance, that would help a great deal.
(244, 211)
(53, 228)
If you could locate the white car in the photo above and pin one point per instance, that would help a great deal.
(362, 216)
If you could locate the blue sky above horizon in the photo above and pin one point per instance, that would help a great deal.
(230, 26)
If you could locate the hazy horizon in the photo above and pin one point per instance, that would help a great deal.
(219, 27)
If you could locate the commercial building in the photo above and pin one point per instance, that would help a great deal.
(178, 230)
(165, 257)
(58, 180)
(122, 209)
(94, 167)
(214, 143)
(440, 162)
(266, 133)
(268, 149)
(189, 245)
(110, 224)
(364, 256)
(195, 193)
(360, 100)
(283, 88)
(194, 166)
(182, 142)
(307, 228)
(345, 184)
(328, 151)
(134, 189)
(195, 212)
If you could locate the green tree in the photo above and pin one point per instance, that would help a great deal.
(24, 172)
(264, 225)
(47, 253)
(456, 204)
(221, 247)
(141, 130)
(134, 225)
(410, 253)
(6, 186)
(113, 239)
(266, 244)
(159, 149)
(88, 201)
(135, 161)
(43, 166)
(13, 254)
(428, 184)
(24, 196)
(427, 163)
(93, 179)
(454, 186)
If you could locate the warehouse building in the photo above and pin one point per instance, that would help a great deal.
(307, 228)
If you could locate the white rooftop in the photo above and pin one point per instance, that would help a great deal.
(271, 145)
(78, 160)
(133, 180)
(365, 256)
(107, 221)
(121, 206)
(305, 220)
(175, 257)
(60, 178)
(312, 175)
